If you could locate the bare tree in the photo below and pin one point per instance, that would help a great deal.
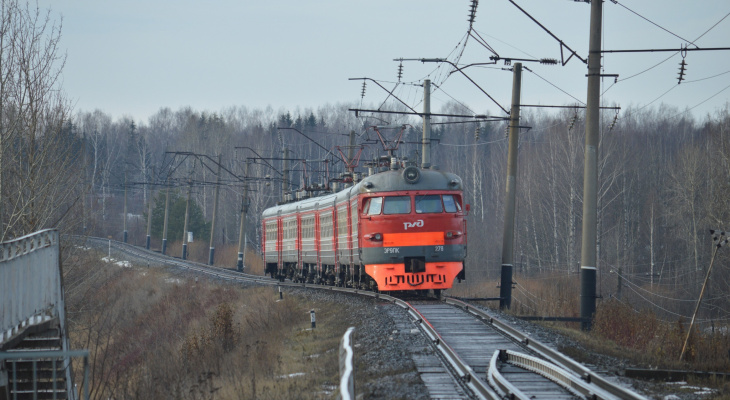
(39, 144)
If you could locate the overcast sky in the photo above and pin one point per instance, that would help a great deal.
(133, 57)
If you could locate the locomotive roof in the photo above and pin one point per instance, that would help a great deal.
(411, 178)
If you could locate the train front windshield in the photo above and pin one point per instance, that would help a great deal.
(428, 204)
(424, 204)
(397, 205)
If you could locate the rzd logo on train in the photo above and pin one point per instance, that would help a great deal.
(417, 224)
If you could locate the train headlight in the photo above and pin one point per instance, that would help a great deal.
(452, 234)
(376, 237)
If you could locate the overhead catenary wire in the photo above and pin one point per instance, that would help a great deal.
(654, 23)
(667, 59)
(555, 86)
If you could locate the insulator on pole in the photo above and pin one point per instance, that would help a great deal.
(548, 61)
(615, 119)
(364, 85)
(400, 70)
(682, 70)
(476, 133)
(472, 11)
(572, 121)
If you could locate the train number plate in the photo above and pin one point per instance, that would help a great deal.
(391, 250)
(439, 248)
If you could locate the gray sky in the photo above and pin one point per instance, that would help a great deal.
(133, 57)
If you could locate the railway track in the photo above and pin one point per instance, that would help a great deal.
(487, 358)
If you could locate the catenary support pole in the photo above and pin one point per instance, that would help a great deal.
(187, 215)
(285, 181)
(505, 288)
(124, 234)
(351, 155)
(167, 215)
(426, 139)
(242, 230)
(149, 221)
(588, 266)
(211, 255)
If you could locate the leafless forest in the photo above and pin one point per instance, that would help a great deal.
(664, 175)
(663, 184)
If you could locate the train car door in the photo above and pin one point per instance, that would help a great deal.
(279, 242)
(298, 241)
(317, 240)
(353, 222)
(343, 234)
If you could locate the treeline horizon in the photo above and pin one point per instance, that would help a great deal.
(663, 179)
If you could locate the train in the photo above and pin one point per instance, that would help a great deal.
(400, 229)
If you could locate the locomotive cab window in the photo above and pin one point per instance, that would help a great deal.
(397, 205)
(428, 204)
(451, 204)
(373, 206)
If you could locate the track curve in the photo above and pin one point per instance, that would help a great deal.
(478, 349)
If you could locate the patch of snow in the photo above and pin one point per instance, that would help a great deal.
(294, 375)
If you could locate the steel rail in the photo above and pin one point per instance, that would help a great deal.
(562, 377)
(600, 383)
(498, 381)
(466, 374)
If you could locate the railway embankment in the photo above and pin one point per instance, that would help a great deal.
(171, 333)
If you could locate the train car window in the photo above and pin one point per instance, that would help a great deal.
(397, 205)
(342, 221)
(373, 206)
(428, 204)
(450, 204)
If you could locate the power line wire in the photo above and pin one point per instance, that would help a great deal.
(707, 99)
(555, 86)
(655, 24)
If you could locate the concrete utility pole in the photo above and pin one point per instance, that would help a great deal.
(167, 214)
(149, 222)
(285, 181)
(215, 212)
(185, 225)
(242, 230)
(505, 288)
(124, 235)
(588, 259)
(351, 154)
(426, 141)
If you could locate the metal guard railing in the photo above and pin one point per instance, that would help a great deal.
(30, 282)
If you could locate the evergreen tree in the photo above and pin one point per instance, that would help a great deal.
(311, 122)
(176, 219)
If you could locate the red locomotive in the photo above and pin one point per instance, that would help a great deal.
(401, 229)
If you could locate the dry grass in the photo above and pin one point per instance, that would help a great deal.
(226, 256)
(651, 341)
(549, 294)
(156, 335)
